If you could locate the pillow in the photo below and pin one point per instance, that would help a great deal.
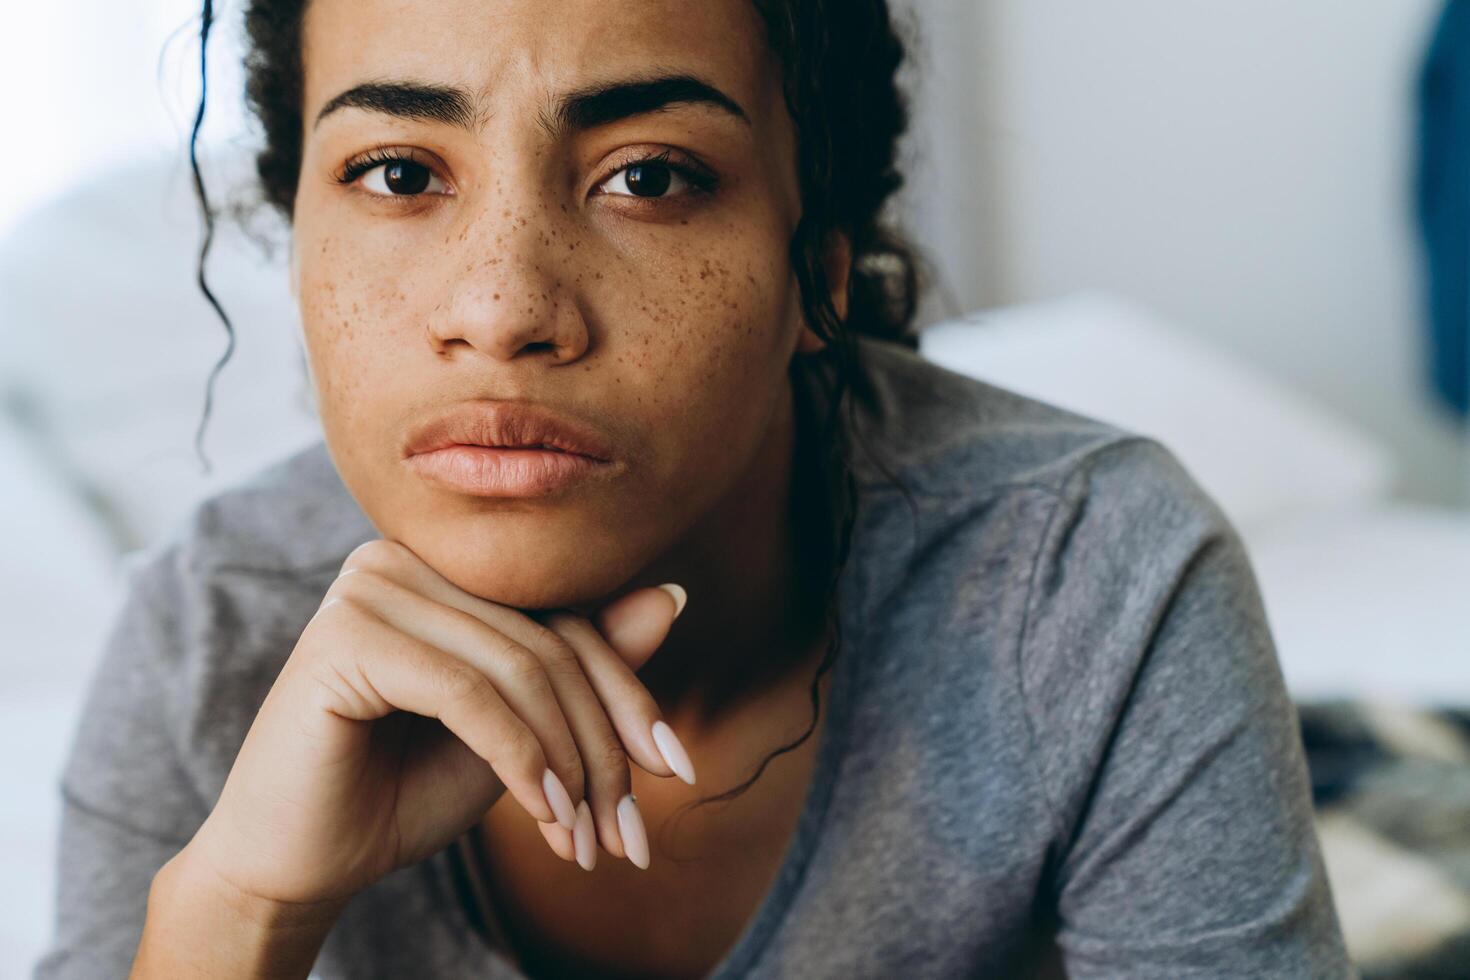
(108, 344)
(1262, 450)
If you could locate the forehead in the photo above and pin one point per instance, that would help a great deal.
(505, 51)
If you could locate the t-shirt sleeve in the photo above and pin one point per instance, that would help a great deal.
(127, 805)
(1166, 742)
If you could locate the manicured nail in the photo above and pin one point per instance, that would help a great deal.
(559, 800)
(630, 825)
(680, 596)
(555, 833)
(584, 838)
(673, 752)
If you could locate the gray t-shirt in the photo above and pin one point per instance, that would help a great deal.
(1058, 728)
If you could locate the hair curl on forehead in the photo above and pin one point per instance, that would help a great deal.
(840, 61)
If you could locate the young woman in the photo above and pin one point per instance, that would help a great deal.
(596, 299)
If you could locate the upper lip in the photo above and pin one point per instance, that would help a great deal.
(508, 425)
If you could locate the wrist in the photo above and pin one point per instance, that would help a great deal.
(191, 870)
(201, 924)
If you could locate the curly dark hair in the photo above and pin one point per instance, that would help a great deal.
(840, 61)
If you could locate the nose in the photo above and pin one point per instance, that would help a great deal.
(509, 302)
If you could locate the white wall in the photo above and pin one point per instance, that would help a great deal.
(948, 159)
(90, 84)
(1241, 167)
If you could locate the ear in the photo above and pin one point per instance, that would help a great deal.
(837, 260)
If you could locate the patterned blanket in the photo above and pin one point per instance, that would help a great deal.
(1392, 792)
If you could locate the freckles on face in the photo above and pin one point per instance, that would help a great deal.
(339, 343)
(670, 325)
(705, 354)
(719, 322)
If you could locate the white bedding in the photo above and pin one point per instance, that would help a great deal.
(1372, 602)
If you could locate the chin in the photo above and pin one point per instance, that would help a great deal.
(546, 572)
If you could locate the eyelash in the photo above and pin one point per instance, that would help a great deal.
(358, 166)
(700, 181)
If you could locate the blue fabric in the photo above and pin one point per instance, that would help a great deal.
(1444, 203)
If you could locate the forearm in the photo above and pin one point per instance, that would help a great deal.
(198, 926)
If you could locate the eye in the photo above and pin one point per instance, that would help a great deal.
(391, 174)
(654, 178)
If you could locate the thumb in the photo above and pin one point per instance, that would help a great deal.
(636, 624)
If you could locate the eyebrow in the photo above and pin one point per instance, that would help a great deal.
(587, 108)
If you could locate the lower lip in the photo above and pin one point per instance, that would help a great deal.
(497, 472)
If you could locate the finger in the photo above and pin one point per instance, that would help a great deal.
(639, 620)
(637, 624)
(634, 712)
(437, 764)
(634, 626)
(531, 688)
(603, 755)
(390, 670)
(397, 561)
(560, 838)
(579, 844)
(556, 701)
(603, 752)
(584, 838)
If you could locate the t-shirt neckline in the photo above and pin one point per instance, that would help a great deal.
(833, 740)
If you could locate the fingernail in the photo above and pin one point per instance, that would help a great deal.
(673, 752)
(680, 596)
(559, 800)
(584, 838)
(630, 825)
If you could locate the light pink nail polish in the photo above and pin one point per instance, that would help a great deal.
(630, 825)
(679, 595)
(584, 837)
(559, 800)
(673, 752)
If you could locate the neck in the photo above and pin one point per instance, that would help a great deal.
(754, 621)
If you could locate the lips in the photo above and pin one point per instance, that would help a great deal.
(507, 425)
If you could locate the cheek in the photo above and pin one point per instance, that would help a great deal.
(344, 303)
(331, 332)
(715, 327)
(705, 350)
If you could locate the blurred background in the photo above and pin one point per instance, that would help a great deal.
(1243, 227)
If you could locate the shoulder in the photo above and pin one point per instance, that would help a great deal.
(948, 434)
(1061, 558)
(292, 517)
(957, 443)
(1050, 546)
(1044, 545)
(259, 543)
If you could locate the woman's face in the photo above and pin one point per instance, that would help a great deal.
(518, 256)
